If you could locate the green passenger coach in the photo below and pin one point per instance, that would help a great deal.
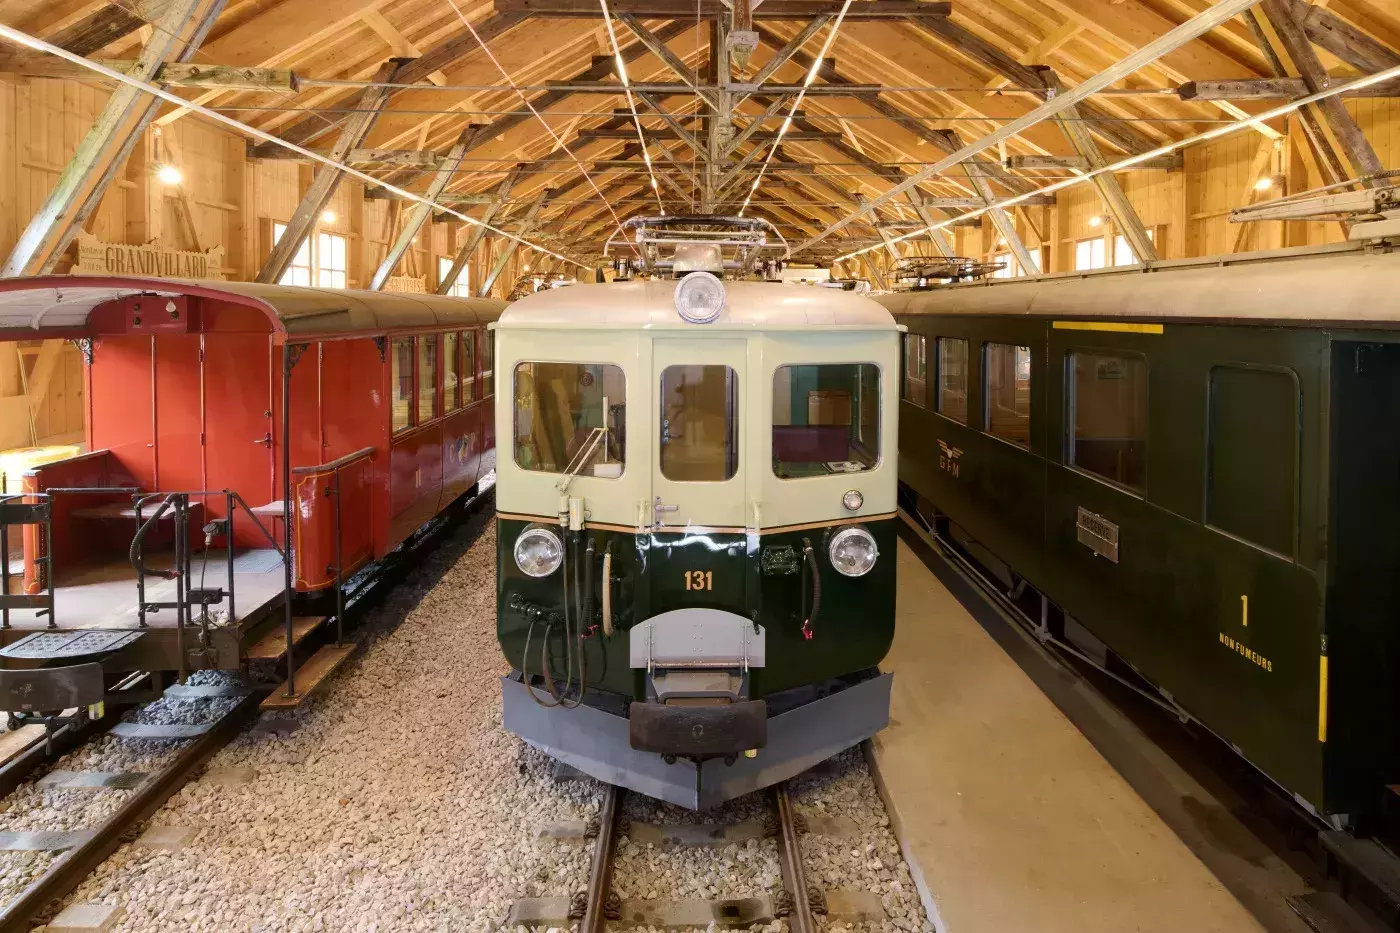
(696, 492)
(1198, 468)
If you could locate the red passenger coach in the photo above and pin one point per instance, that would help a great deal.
(161, 547)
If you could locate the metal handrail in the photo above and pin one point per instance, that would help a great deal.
(334, 468)
(337, 463)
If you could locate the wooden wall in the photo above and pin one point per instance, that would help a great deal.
(1188, 209)
(233, 201)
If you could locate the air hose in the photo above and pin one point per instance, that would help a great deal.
(811, 556)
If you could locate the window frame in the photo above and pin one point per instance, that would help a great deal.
(1102, 238)
(412, 383)
(453, 402)
(468, 373)
(924, 403)
(1071, 397)
(938, 380)
(514, 424)
(459, 288)
(487, 354)
(855, 402)
(986, 386)
(1207, 487)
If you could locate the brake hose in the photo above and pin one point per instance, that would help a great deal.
(811, 556)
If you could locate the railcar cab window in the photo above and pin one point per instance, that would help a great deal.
(401, 382)
(1108, 416)
(952, 379)
(915, 387)
(699, 423)
(826, 419)
(1007, 371)
(1252, 490)
(570, 417)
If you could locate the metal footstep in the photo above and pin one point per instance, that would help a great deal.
(63, 646)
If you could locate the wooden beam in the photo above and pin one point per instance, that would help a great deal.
(327, 179)
(464, 254)
(974, 47)
(681, 132)
(184, 208)
(1329, 164)
(1125, 216)
(420, 213)
(967, 204)
(99, 29)
(1000, 219)
(45, 365)
(812, 135)
(1271, 89)
(173, 74)
(1262, 157)
(661, 50)
(399, 44)
(411, 158)
(109, 143)
(1171, 162)
(437, 58)
(1354, 46)
(510, 246)
(859, 11)
(1357, 149)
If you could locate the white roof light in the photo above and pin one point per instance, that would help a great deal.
(700, 297)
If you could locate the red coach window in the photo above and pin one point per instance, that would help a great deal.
(401, 382)
(427, 378)
(488, 357)
(451, 386)
(469, 367)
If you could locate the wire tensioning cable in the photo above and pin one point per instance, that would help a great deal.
(39, 45)
(631, 103)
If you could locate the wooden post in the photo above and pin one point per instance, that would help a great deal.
(1358, 151)
(327, 179)
(1125, 216)
(468, 250)
(447, 170)
(114, 134)
(509, 247)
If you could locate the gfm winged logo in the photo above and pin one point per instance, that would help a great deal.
(948, 457)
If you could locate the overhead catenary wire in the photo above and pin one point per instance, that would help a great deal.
(631, 103)
(807, 82)
(36, 44)
(1128, 162)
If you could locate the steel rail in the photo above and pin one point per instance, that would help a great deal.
(69, 869)
(600, 870)
(790, 858)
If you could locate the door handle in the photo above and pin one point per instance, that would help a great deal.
(659, 507)
(265, 440)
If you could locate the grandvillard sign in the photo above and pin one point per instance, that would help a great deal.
(98, 258)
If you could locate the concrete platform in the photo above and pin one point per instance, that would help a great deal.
(1011, 819)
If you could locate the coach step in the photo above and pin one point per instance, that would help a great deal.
(311, 675)
(273, 645)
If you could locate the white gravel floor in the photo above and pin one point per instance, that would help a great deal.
(397, 802)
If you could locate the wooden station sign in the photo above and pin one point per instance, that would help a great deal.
(409, 284)
(98, 258)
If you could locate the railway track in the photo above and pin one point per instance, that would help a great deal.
(599, 905)
(81, 851)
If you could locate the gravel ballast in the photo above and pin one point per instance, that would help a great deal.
(396, 800)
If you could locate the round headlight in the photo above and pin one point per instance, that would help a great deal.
(853, 551)
(700, 297)
(853, 500)
(538, 551)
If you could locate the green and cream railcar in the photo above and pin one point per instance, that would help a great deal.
(696, 567)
